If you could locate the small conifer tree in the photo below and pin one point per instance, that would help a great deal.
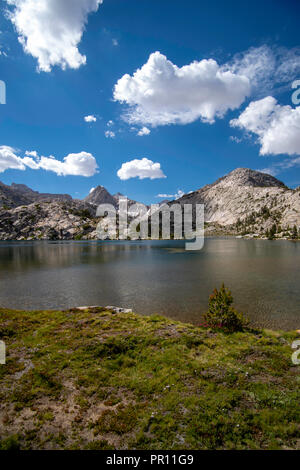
(294, 233)
(221, 314)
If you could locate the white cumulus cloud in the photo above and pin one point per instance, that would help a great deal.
(144, 131)
(76, 164)
(277, 127)
(161, 93)
(143, 168)
(9, 160)
(51, 30)
(90, 118)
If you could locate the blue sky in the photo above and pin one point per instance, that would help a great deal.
(203, 122)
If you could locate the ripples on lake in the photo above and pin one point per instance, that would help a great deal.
(155, 277)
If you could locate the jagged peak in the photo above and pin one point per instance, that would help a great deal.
(98, 188)
(100, 195)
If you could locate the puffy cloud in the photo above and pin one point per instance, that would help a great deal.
(162, 93)
(142, 169)
(144, 131)
(277, 127)
(9, 160)
(77, 164)
(31, 162)
(51, 30)
(110, 123)
(178, 195)
(90, 118)
(109, 134)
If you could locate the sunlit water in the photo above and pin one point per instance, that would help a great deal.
(155, 277)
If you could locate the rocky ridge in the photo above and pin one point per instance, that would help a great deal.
(48, 220)
(243, 203)
(248, 202)
(19, 194)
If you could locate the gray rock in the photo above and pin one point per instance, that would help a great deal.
(118, 309)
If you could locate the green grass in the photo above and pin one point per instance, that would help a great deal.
(95, 379)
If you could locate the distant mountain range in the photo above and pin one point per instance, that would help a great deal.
(20, 194)
(244, 202)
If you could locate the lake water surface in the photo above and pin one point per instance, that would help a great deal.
(155, 277)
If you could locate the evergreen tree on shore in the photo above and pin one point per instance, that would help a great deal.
(294, 233)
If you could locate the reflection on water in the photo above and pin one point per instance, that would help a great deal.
(155, 277)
